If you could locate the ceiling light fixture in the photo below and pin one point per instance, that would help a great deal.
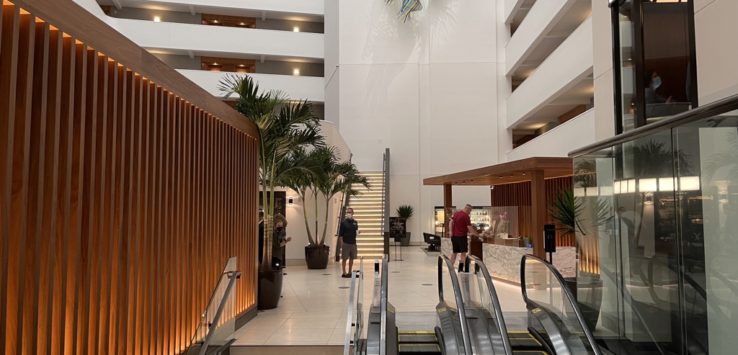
(215, 64)
(242, 24)
(295, 29)
(296, 71)
(157, 19)
(216, 21)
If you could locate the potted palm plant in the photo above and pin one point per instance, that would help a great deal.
(284, 128)
(327, 178)
(404, 212)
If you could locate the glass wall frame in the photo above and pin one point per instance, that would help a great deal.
(654, 60)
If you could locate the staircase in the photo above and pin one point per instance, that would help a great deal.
(367, 206)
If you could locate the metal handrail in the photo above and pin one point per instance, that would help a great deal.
(233, 276)
(224, 274)
(354, 293)
(497, 307)
(385, 199)
(564, 289)
(383, 295)
(716, 108)
(460, 309)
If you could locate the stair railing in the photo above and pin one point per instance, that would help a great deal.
(386, 199)
(210, 318)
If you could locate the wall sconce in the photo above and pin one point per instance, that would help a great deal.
(295, 29)
(157, 18)
(296, 71)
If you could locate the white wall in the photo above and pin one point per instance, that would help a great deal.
(295, 87)
(181, 37)
(717, 49)
(558, 142)
(426, 89)
(568, 65)
(312, 7)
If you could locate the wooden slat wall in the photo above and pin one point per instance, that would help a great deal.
(120, 201)
(519, 195)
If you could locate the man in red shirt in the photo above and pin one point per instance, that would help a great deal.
(460, 225)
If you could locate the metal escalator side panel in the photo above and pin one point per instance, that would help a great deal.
(577, 340)
(445, 266)
(500, 338)
(450, 333)
(481, 330)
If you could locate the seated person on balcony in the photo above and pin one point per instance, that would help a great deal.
(653, 82)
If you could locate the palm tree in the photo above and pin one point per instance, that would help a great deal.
(285, 127)
(326, 177)
(333, 178)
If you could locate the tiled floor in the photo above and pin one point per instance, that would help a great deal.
(313, 308)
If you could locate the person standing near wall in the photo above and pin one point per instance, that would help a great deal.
(347, 232)
(460, 226)
(279, 240)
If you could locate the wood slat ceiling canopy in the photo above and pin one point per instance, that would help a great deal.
(506, 173)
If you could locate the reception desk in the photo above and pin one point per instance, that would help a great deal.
(502, 258)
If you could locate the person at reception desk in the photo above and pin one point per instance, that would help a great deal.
(460, 226)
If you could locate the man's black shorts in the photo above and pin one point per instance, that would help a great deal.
(460, 244)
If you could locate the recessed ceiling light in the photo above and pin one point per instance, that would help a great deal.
(157, 19)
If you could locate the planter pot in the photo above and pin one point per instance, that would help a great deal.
(316, 256)
(405, 241)
(270, 288)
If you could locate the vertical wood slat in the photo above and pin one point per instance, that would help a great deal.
(125, 201)
(519, 195)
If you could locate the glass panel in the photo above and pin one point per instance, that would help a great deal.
(666, 54)
(708, 198)
(597, 263)
(547, 291)
(645, 215)
(627, 69)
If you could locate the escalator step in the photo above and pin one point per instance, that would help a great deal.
(523, 339)
(417, 337)
(530, 352)
(420, 349)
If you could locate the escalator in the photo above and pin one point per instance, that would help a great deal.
(469, 319)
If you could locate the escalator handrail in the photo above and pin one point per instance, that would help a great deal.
(460, 310)
(499, 318)
(564, 289)
(383, 295)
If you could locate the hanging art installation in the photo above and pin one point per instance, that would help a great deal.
(408, 7)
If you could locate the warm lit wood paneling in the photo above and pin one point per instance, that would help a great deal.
(519, 195)
(120, 199)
